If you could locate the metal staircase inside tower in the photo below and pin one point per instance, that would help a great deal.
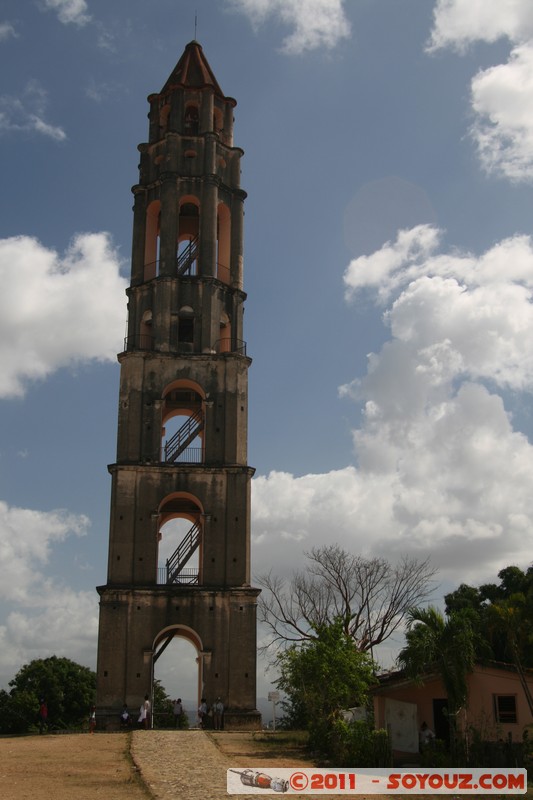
(183, 437)
(187, 258)
(181, 556)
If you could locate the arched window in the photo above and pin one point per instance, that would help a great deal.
(151, 248)
(224, 345)
(180, 537)
(183, 421)
(191, 120)
(146, 338)
(188, 228)
(218, 120)
(224, 243)
(185, 329)
(164, 113)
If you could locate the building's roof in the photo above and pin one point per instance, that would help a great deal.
(397, 678)
(192, 70)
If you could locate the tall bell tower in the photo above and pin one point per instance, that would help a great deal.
(179, 541)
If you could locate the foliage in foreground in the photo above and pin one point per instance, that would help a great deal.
(164, 709)
(68, 689)
(322, 676)
(357, 744)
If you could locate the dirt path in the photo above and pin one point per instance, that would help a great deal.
(143, 765)
(69, 767)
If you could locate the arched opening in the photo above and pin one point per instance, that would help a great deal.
(218, 120)
(151, 247)
(223, 243)
(186, 329)
(145, 334)
(188, 228)
(180, 536)
(178, 666)
(163, 119)
(183, 423)
(191, 119)
(224, 344)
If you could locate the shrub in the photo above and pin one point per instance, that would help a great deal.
(357, 744)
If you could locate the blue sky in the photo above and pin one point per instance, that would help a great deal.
(389, 267)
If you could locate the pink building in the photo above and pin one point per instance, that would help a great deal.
(497, 706)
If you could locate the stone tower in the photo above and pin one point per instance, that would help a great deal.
(179, 541)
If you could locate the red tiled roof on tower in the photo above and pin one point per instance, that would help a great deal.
(192, 70)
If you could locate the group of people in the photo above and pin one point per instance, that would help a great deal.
(216, 712)
(145, 715)
(205, 715)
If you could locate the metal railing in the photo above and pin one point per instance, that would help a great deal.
(230, 346)
(187, 577)
(139, 341)
(183, 552)
(184, 436)
(191, 455)
(223, 273)
(184, 262)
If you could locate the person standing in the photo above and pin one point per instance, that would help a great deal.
(125, 719)
(426, 735)
(147, 713)
(202, 712)
(92, 719)
(218, 713)
(43, 715)
(178, 712)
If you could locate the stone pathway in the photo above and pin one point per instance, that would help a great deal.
(182, 764)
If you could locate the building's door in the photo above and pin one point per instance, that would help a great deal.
(441, 723)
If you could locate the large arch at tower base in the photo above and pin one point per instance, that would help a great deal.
(135, 624)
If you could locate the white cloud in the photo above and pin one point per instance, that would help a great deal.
(6, 31)
(57, 310)
(458, 23)
(102, 91)
(26, 540)
(26, 113)
(316, 23)
(65, 625)
(502, 100)
(440, 469)
(70, 11)
(41, 617)
(53, 131)
(502, 95)
(465, 315)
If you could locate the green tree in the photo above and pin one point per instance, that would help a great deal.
(68, 688)
(162, 706)
(511, 618)
(490, 604)
(447, 645)
(322, 676)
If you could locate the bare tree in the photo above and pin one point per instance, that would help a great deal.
(371, 596)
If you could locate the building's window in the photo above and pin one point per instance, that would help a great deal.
(505, 708)
(186, 331)
(192, 120)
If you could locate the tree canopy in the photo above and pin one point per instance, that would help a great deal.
(67, 687)
(502, 614)
(369, 596)
(321, 676)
